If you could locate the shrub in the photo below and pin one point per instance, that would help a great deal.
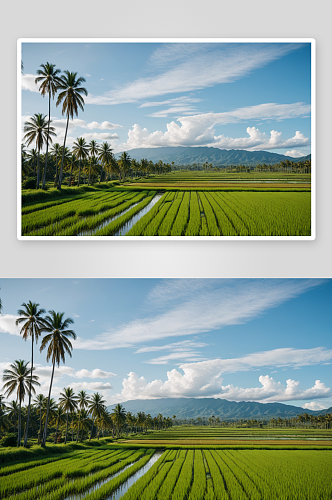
(9, 440)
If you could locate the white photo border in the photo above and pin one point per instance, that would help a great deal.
(312, 41)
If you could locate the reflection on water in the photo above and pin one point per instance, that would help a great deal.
(128, 225)
(131, 480)
(91, 232)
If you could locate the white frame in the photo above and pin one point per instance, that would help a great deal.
(312, 41)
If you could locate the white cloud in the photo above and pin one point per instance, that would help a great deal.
(76, 315)
(96, 373)
(188, 67)
(184, 100)
(7, 324)
(103, 136)
(295, 153)
(314, 405)
(226, 303)
(176, 385)
(105, 125)
(91, 386)
(28, 83)
(185, 350)
(199, 129)
(175, 346)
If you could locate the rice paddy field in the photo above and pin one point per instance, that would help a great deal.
(176, 204)
(114, 471)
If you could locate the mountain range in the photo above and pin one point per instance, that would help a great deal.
(218, 157)
(206, 407)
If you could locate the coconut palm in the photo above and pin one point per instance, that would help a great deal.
(83, 402)
(93, 152)
(124, 164)
(68, 401)
(81, 151)
(104, 422)
(55, 151)
(70, 96)
(49, 82)
(119, 417)
(84, 421)
(57, 342)
(105, 156)
(72, 162)
(59, 417)
(12, 409)
(17, 379)
(32, 321)
(96, 408)
(39, 404)
(38, 129)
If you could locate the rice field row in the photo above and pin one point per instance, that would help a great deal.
(227, 214)
(84, 473)
(230, 474)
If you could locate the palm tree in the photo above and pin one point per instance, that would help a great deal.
(93, 152)
(59, 416)
(55, 150)
(72, 161)
(38, 129)
(83, 402)
(57, 343)
(72, 100)
(84, 421)
(48, 76)
(13, 413)
(105, 156)
(124, 164)
(68, 401)
(96, 408)
(80, 149)
(39, 404)
(119, 417)
(32, 322)
(17, 378)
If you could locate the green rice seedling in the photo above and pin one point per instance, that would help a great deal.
(181, 220)
(151, 491)
(167, 223)
(136, 490)
(199, 484)
(165, 492)
(105, 491)
(140, 226)
(194, 223)
(183, 483)
(209, 216)
(153, 226)
(121, 221)
(219, 488)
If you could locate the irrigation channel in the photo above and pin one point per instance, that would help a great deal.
(128, 225)
(124, 486)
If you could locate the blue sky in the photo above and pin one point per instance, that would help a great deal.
(253, 96)
(239, 339)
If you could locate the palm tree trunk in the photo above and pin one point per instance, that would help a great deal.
(56, 433)
(66, 429)
(56, 169)
(63, 155)
(19, 426)
(89, 173)
(40, 424)
(48, 407)
(48, 131)
(91, 429)
(79, 172)
(78, 429)
(27, 427)
(102, 167)
(38, 170)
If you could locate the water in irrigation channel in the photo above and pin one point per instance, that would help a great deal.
(128, 225)
(124, 487)
(131, 480)
(91, 232)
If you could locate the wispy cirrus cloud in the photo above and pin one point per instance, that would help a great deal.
(187, 67)
(222, 303)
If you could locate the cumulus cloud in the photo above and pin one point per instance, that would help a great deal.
(224, 302)
(176, 385)
(314, 405)
(176, 67)
(96, 373)
(199, 129)
(28, 83)
(295, 153)
(7, 324)
(91, 386)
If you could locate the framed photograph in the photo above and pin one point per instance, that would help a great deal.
(166, 139)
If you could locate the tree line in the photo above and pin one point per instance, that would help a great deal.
(97, 159)
(85, 413)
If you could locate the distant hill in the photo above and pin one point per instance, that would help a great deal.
(218, 157)
(225, 410)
